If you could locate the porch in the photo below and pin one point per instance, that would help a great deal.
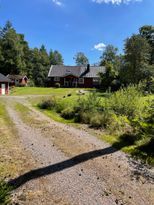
(70, 81)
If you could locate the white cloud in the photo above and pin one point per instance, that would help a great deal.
(99, 46)
(115, 1)
(57, 2)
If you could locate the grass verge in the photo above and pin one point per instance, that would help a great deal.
(13, 160)
(5, 192)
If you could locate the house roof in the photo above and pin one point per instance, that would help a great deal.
(4, 79)
(78, 71)
(16, 77)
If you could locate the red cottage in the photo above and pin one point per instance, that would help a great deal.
(18, 80)
(4, 85)
(75, 76)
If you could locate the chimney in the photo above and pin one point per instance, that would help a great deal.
(88, 68)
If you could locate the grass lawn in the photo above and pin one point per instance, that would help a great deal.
(42, 91)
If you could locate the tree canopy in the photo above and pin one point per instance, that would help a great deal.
(111, 60)
(81, 59)
(137, 58)
(16, 57)
(135, 65)
(55, 58)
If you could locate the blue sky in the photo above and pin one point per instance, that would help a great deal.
(77, 25)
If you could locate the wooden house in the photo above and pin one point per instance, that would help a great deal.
(75, 76)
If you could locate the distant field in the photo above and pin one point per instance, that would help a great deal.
(42, 91)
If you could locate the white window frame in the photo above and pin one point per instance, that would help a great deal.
(96, 80)
(66, 83)
(3, 88)
(81, 80)
(56, 79)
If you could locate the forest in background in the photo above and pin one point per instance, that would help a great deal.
(16, 57)
(134, 65)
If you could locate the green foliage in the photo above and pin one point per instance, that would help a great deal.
(137, 63)
(17, 58)
(147, 32)
(100, 119)
(81, 59)
(41, 65)
(4, 193)
(112, 63)
(68, 113)
(150, 85)
(119, 124)
(60, 106)
(109, 55)
(96, 120)
(48, 104)
(12, 53)
(83, 117)
(126, 101)
(31, 83)
(137, 56)
(145, 127)
(55, 58)
(88, 103)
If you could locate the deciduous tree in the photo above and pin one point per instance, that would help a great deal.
(55, 58)
(81, 59)
(137, 56)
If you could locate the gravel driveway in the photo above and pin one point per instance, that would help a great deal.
(74, 167)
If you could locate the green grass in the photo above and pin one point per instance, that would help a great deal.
(55, 116)
(42, 91)
(5, 192)
(117, 143)
(6, 168)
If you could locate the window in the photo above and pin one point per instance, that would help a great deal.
(96, 80)
(81, 80)
(56, 79)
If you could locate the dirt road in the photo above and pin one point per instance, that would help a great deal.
(73, 167)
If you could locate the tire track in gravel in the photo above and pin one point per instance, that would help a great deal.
(105, 180)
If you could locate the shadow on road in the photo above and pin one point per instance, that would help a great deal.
(36, 173)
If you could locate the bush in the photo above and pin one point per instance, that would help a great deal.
(126, 101)
(83, 117)
(57, 85)
(31, 83)
(68, 113)
(100, 119)
(60, 106)
(150, 85)
(4, 193)
(96, 120)
(89, 103)
(119, 125)
(48, 104)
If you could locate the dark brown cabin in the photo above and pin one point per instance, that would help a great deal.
(75, 76)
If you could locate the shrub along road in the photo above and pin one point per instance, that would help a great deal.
(72, 166)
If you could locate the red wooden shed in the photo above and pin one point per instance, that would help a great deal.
(4, 85)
